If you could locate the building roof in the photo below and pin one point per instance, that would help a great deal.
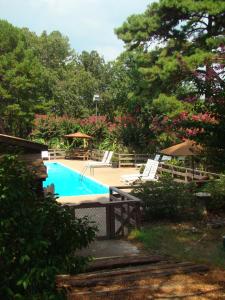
(29, 152)
(22, 143)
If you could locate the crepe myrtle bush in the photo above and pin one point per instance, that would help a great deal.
(38, 237)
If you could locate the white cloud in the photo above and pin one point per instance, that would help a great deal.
(89, 24)
(110, 52)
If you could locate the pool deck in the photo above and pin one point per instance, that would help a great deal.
(108, 176)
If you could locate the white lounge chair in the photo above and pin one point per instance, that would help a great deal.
(166, 158)
(149, 173)
(100, 164)
(45, 154)
(104, 158)
(157, 157)
(107, 162)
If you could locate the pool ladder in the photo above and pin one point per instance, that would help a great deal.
(84, 170)
(82, 174)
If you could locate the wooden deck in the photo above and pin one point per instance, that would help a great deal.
(141, 277)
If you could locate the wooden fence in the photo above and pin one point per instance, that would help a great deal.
(130, 160)
(123, 160)
(114, 218)
(184, 174)
(57, 154)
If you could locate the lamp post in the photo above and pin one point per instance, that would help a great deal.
(96, 98)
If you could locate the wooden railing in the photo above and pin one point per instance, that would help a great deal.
(114, 218)
(123, 160)
(57, 154)
(178, 173)
(185, 174)
(130, 160)
(125, 212)
(96, 154)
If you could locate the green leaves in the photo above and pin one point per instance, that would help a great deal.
(38, 237)
(169, 200)
(177, 50)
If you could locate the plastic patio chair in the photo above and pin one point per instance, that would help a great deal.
(166, 158)
(157, 157)
(45, 154)
(104, 158)
(149, 173)
(99, 164)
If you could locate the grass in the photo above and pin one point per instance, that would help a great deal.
(184, 242)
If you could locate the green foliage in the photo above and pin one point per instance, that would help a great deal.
(42, 74)
(176, 162)
(52, 129)
(109, 143)
(175, 54)
(22, 77)
(173, 65)
(38, 237)
(167, 199)
(216, 189)
(184, 242)
(133, 137)
(169, 106)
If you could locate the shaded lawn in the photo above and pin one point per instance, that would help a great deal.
(183, 242)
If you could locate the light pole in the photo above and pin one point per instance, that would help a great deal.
(96, 98)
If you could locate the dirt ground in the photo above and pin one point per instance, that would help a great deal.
(188, 286)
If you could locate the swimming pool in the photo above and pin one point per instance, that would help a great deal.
(68, 182)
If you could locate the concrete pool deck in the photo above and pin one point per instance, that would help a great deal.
(108, 176)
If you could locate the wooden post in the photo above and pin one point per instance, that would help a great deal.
(138, 215)
(110, 193)
(107, 215)
(186, 175)
(119, 160)
(112, 229)
(128, 214)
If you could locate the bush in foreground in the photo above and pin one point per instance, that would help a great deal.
(38, 237)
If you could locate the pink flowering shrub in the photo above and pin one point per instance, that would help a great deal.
(51, 129)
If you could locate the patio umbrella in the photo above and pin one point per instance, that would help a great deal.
(79, 135)
(187, 148)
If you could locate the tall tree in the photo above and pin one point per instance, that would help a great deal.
(177, 45)
(22, 77)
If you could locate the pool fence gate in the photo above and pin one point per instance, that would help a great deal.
(114, 218)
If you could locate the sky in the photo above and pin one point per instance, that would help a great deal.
(89, 24)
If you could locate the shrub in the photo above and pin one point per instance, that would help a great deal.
(167, 199)
(176, 162)
(38, 237)
(216, 189)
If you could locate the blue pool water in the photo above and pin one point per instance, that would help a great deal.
(68, 182)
